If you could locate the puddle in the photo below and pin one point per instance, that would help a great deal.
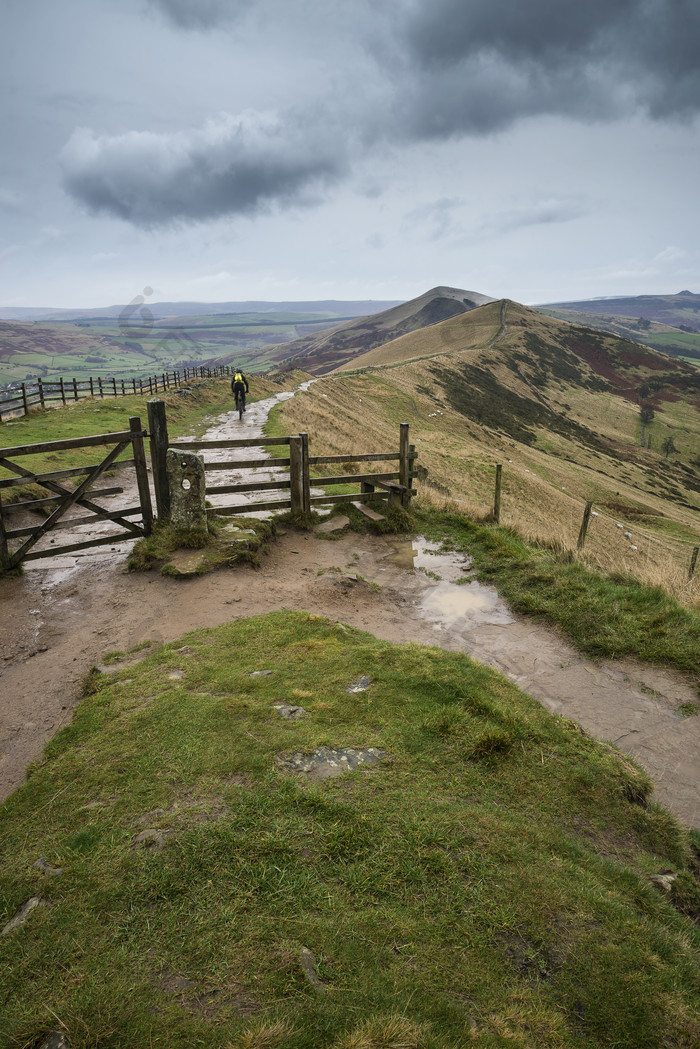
(445, 602)
(449, 605)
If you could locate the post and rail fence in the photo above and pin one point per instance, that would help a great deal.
(62, 499)
(17, 401)
(292, 479)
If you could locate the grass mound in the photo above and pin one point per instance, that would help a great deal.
(485, 881)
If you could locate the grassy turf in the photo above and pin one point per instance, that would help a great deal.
(486, 884)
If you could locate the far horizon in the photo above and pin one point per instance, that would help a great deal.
(319, 300)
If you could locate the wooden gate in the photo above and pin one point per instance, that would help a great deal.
(62, 499)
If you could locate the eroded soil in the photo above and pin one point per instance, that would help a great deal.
(64, 615)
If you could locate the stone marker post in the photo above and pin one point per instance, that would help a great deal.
(187, 488)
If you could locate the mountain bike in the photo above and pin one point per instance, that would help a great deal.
(240, 403)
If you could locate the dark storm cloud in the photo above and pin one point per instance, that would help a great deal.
(200, 14)
(235, 165)
(442, 68)
(481, 65)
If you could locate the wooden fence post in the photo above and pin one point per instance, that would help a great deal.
(141, 474)
(296, 474)
(158, 429)
(75, 389)
(24, 398)
(114, 385)
(63, 391)
(40, 384)
(404, 463)
(497, 494)
(306, 480)
(584, 526)
(693, 562)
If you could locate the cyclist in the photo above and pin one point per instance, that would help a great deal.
(239, 386)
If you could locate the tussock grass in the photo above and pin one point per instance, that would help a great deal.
(546, 483)
(453, 894)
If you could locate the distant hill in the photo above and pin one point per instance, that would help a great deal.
(674, 310)
(159, 310)
(321, 352)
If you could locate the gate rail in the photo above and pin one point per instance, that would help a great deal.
(396, 486)
(63, 499)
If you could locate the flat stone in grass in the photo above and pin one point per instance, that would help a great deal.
(289, 712)
(361, 685)
(243, 538)
(185, 563)
(42, 864)
(333, 524)
(327, 762)
(22, 915)
(55, 1040)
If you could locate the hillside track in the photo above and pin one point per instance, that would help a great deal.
(62, 617)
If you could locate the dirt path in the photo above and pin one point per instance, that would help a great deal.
(61, 618)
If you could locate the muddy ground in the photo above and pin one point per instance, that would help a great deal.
(65, 614)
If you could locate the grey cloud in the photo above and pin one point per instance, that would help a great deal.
(439, 215)
(485, 64)
(546, 212)
(200, 14)
(442, 68)
(232, 165)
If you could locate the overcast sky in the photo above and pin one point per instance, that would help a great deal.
(303, 149)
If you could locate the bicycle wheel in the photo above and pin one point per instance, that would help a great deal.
(240, 407)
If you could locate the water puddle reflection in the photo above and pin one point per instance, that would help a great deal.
(451, 598)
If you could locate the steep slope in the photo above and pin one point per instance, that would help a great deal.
(559, 406)
(322, 352)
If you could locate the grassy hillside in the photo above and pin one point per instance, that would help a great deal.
(559, 407)
(663, 337)
(493, 877)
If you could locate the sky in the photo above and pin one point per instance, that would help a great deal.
(217, 150)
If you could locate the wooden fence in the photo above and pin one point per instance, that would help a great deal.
(17, 401)
(62, 499)
(293, 469)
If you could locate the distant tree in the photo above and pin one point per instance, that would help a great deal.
(646, 414)
(668, 447)
(643, 324)
(644, 391)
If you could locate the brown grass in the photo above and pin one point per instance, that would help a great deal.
(545, 486)
(386, 1033)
